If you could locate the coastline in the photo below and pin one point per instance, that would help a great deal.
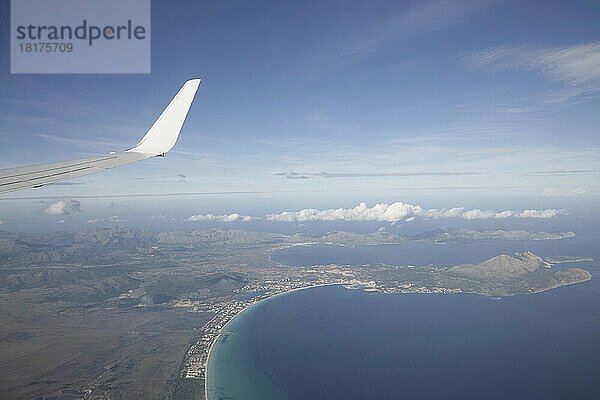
(367, 288)
(228, 310)
(489, 315)
(242, 311)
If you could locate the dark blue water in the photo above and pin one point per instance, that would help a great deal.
(334, 343)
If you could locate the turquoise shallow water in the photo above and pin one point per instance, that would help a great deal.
(231, 374)
(334, 343)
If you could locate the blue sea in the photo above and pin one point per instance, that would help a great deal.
(335, 343)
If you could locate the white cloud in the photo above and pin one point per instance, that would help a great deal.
(576, 67)
(92, 221)
(419, 18)
(437, 15)
(572, 65)
(400, 211)
(220, 218)
(564, 192)
(62, 207)
(485, 214)
(549, 213)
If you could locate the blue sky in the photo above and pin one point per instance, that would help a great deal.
(444, 104)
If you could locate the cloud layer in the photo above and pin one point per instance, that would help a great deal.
(292, 175)
(220, 218)
(421, 17)
(564, 192)
(400, 211)
(573, 65)
(576, 67)
(62, 207)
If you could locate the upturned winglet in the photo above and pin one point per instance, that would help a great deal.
(164, 133)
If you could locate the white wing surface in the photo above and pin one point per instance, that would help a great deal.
(158, 140)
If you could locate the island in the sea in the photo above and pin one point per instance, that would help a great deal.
(144, 303)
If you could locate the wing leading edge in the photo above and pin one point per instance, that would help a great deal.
(158, 140)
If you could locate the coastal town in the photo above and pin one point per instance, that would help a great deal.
(196, 360)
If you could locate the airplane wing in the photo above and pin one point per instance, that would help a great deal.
(158, 140)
